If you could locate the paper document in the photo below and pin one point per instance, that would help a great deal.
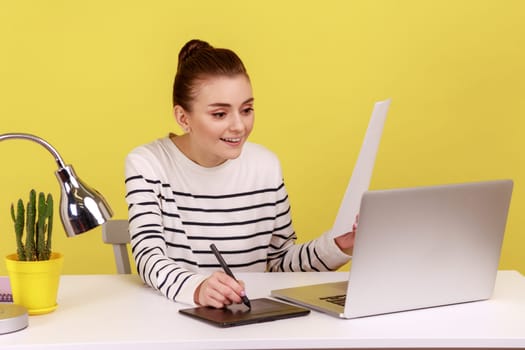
(362, 173)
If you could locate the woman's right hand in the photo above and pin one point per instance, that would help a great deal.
(219, 290)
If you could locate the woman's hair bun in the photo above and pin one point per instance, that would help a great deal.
(199, 60)
(191, 47)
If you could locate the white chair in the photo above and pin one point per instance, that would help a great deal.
(115, 232)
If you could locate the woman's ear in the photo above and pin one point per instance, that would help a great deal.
(181, 117)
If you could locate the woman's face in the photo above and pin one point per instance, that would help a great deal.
(221, 119)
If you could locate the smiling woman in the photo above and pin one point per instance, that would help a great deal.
(211, 186)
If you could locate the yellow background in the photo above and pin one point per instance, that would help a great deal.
(94, 79)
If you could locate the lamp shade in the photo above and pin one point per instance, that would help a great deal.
(81, 207)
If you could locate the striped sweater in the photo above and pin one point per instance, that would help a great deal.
(178, 208)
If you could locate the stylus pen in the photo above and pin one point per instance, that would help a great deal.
(229, 272)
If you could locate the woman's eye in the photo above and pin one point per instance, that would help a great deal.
(219, 114)
(247, 110)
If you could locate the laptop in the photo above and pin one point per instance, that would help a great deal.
(417, 248)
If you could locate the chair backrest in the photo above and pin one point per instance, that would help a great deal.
(115, 232)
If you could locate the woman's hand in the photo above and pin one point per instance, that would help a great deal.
(346, 241)
(219, 290)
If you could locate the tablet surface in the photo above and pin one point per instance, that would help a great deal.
(263, 310)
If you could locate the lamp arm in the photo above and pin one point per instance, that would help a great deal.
(38, 140)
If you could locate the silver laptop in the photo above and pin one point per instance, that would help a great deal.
(417, 248)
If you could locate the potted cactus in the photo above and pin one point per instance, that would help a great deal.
(34, 270)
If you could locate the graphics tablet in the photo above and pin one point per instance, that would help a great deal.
(263, 310)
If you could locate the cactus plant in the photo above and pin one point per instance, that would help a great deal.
(37, 219)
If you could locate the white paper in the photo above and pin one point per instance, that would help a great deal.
(362, 173)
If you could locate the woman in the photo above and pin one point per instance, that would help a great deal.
(210, 185)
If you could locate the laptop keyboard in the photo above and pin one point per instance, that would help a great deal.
(335, 299)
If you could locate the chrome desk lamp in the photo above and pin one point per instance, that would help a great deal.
(81, 209)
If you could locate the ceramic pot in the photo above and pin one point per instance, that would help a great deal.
(34, 284)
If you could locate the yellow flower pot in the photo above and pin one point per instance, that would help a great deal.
(34, 284)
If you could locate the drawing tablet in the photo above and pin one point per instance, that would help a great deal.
(263, 310)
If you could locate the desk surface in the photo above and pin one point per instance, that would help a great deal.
(119, 312)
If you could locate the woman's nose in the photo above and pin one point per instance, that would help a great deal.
(236, 122)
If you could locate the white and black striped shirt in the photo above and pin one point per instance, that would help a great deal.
(178, 208)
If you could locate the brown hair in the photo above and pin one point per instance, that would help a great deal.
(199, 60)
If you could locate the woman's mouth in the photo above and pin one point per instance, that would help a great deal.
(231, 140)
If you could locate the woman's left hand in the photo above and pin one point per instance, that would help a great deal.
(346, 241)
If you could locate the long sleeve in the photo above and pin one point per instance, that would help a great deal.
(320, 254)
(148, 240)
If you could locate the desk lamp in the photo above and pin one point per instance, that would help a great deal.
(81, 209)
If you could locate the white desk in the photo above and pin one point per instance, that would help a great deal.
(118, 312)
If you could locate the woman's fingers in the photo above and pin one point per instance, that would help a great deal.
(219, 290)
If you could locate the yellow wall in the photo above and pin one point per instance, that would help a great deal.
(94, 79)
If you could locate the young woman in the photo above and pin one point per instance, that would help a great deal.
(210, 185)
